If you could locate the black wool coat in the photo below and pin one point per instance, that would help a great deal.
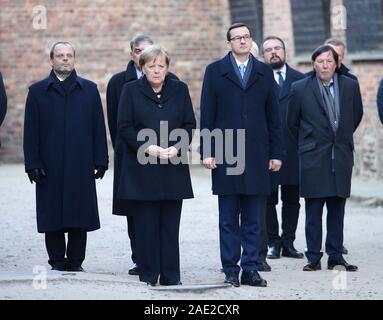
(289, 172)
(65, 135)
(307, 120)
(140, 108)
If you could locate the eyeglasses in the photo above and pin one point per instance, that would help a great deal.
(246, 37)
(137, 50)
(277, 48)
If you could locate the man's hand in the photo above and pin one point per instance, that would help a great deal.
(275, 165)
(100, 171)
(209, 163)
(36, 175)
(161, 153)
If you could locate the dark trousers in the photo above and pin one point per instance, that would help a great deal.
(64, 255)
(334, 220)
(157, 226)
(290, 213)
(132, 237)
(240, 222)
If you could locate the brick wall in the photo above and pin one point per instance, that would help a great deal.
(193, 31)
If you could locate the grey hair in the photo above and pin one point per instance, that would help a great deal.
(137, 40)
(335, 42)
(152, 52)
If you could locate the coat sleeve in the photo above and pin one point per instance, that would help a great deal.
(358, 106)
(189, 122)
(3, 100)
(277, 147)
(100, 146)
(208, 109)
(111, 107)
(293, 113)
(379, 100)
(31, 137)
(126, 130)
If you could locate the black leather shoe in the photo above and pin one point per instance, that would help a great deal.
(134, 270)
(274, 252)
(168, 283)
(232, 278)
(151, 284)
(331, 265)
(252, 278)
(263, 266)
(75, 269)
(59, 269)
(344, 250)
(291, 252)
(312, 266)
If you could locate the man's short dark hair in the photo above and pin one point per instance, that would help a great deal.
(52, 52)
(235, 26)
(273, 38)
(322, 49)
(335, 42)
(137, 40)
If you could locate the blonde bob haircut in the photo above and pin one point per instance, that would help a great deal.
(152, 52)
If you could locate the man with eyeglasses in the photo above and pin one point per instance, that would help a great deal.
(239, 92)
(274, 54)
(133, 72)
(323, 112)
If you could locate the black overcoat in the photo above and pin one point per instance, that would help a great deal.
(308, 122)
(140, 108)
(289, 173)
(65, 135)
(225, 104)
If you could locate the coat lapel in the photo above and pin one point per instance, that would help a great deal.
(167, 90)
(227, 71)
(255, 74)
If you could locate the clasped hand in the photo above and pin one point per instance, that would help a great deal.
(161, 153)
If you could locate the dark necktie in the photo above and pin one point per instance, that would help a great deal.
(280, 79)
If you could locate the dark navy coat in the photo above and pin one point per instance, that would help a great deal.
(3, 100)
(140, 108)
(289, 173)
(225, 104)
(308, 122)
(379, 101)
(65, 135)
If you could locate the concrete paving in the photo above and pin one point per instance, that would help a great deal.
(25, 274)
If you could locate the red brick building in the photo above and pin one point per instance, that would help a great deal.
(193, 31)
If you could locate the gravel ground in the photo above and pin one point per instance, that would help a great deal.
(22, 253)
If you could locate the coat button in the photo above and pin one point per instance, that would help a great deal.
(160, 106)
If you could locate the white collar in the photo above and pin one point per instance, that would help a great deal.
(238, 62)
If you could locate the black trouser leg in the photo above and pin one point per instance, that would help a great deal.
(146, 223)
(76, 248)
(290, 213)
(55, 244)
(313, 228)
(169, 237)
(335, 218)
(273, 238)
(132, 237)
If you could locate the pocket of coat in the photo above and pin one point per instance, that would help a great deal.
(307, 147)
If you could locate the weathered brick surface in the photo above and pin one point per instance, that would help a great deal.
(193, 32)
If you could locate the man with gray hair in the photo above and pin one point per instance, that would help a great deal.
(113, 93)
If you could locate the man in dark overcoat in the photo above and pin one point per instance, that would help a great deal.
(379, 100)
(239, 92)
(324, 110)
(64, 143)
(274, 54)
